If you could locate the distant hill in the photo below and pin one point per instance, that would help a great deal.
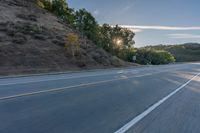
(183, 53)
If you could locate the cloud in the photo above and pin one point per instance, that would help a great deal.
(128, 7)
(141, 28)
(135, 30)
(184, 36)
(132, 28)
(96, 13)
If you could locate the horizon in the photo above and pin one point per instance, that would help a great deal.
(154, 22)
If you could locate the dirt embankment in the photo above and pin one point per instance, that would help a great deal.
(32, 40)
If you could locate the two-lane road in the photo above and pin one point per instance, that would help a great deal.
(157, 99)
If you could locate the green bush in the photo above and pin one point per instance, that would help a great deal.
(154, 57)
(183, 53)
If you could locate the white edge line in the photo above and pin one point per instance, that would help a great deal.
(55, 89)
(71, 77)
(127, 126)
(64, 78)
(63, 88)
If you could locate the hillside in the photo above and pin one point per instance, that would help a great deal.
(183, 53)
(32, 40)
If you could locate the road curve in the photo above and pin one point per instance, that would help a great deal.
(157, 99)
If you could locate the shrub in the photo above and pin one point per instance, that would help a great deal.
(154, 57)
(40, 3)
(72, 43)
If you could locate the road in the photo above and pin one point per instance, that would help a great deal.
(156, 99)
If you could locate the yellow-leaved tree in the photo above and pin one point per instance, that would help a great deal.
(72, 43)
(40, 3)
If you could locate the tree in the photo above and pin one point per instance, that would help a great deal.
(118, 41)
(72, 43)
(125, 34)
(105, 39)
(59, 8)
(86, 23)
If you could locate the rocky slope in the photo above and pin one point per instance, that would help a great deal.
(32, 40)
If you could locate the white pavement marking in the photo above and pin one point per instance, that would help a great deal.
(55, 79)
(130, 124)
(100, 74)
(120, 72)
(74, 86)
(148, 74)
(70, 77)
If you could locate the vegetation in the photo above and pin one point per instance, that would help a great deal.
(117, 41)
(183, 53)
(86, 24)
(72, 43)
(114, 39)
(154, 57)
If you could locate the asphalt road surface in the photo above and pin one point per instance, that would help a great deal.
(156, 99)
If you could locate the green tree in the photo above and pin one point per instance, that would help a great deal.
(86, 23)
(118, 41)
(61, 9)
(105, 39)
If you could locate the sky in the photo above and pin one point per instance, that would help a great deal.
(153, 21)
